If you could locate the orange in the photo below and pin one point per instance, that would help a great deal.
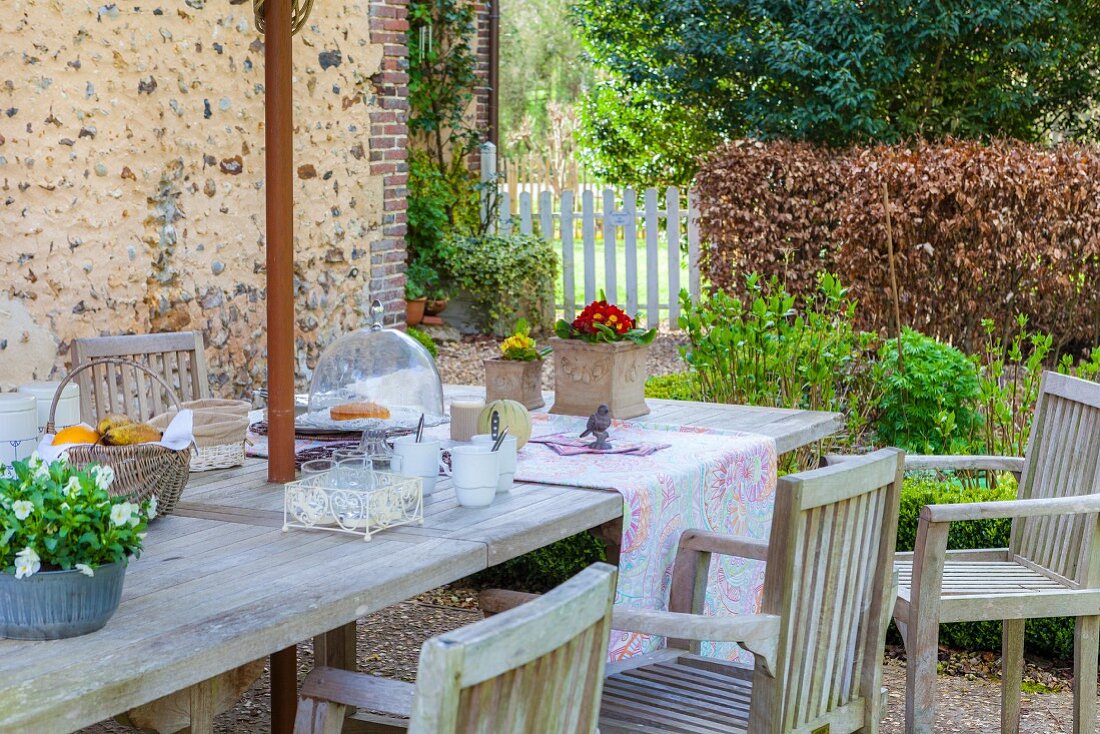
(75, 434)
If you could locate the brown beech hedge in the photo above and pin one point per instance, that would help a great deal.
(980, 231)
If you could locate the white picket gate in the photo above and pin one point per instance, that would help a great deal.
(602, 224)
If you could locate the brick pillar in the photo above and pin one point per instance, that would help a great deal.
(388, 154)
(482, 90)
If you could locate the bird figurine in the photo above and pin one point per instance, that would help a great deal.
(598, 423)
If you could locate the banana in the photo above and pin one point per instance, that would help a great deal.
(112, 420)
(130, 433)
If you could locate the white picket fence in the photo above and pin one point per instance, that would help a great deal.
(600, 224)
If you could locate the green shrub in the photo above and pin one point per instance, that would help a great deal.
(425, 340)
(928, 403)
(1050, 637)
(772, 349)
(544, 568)
(508, 276)
(678, 386)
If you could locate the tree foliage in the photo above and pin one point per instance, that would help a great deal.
(835, 72)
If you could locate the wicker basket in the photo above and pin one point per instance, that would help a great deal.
(218, 405)
(143, 470)
(219, 437)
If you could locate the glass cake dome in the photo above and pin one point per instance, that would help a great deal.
(374, 378)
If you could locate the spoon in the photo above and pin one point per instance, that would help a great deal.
(500, 439)
(420, 429)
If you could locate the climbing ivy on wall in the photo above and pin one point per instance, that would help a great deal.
(443, 199)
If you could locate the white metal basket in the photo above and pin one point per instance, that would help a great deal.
(320, 502)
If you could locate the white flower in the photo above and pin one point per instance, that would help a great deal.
(141, 536)
(22, 509)
(135, 517)
(73, 487)
(26, 563)
(151, 510)
(85, 569)
(103, 476)
(42, 471)
(35, 461)
(120, 513)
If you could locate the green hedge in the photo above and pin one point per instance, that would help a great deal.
(547, 567)
(677, 386)
(425, 339)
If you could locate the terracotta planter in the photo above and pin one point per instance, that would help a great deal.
(435, 306)
(586, 375)
(511, 379)
(414, 311)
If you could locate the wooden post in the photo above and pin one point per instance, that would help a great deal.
(893, 273)
(279, 134)
(279, 129)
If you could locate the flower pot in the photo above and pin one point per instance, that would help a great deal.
(414, 311)
(513, 379)
(435, 306)
(587, 375)
(52, 605)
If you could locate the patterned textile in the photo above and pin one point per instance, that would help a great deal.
(711, 480)
(570, 445)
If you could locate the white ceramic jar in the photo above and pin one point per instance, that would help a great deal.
(68, 406)
(18, 426)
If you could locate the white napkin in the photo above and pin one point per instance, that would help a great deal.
(179, 434)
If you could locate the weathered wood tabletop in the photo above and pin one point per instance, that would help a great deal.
(221, 584)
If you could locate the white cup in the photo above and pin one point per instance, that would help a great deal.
(420, 459)
(475, 471)
(507, 453)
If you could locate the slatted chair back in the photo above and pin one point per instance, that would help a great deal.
(535, 669)
(830, 579)
(1062, 460)
(178, 357)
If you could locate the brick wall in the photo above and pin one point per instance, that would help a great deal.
(482, 91)
(388, 154)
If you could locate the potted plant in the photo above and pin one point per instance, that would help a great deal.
(415, 296)
(64, 546)
(600, 358)
(517, 373)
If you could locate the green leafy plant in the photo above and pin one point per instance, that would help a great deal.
(508, 276)
(928, 402)
(420, 280)
(677, 386)
(603, 322)
(520, 346)
(54, 516)
(773, 349)
(427, 342)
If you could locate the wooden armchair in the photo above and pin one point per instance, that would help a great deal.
(537, 668)
(178, 357)
(1050, 569)
(818, 640)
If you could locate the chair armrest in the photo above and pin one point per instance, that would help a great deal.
(757, 633)
(739, 546)
(1084, 504)
(1014, 464)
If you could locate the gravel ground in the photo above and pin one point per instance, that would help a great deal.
(389, 641)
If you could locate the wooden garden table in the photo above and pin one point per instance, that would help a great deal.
(221, 585)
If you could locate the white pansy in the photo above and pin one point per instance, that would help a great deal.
(22, 509)
(120, 513)
(73, 486)
(103, 476)
(85, 569)
(27, 563)
(151, 510)
(42, 472)
(141, 536)
(35, 461)
(135, 517)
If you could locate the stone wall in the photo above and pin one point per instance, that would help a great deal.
(132, 177)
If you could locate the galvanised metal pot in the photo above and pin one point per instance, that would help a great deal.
(51, 605)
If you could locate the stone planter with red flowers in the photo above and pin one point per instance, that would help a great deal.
(600, 358)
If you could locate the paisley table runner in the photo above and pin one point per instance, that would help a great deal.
(705, 479)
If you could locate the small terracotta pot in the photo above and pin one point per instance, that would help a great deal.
(435, 306)
(514, 379)
(414, 311)
(587, 375)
